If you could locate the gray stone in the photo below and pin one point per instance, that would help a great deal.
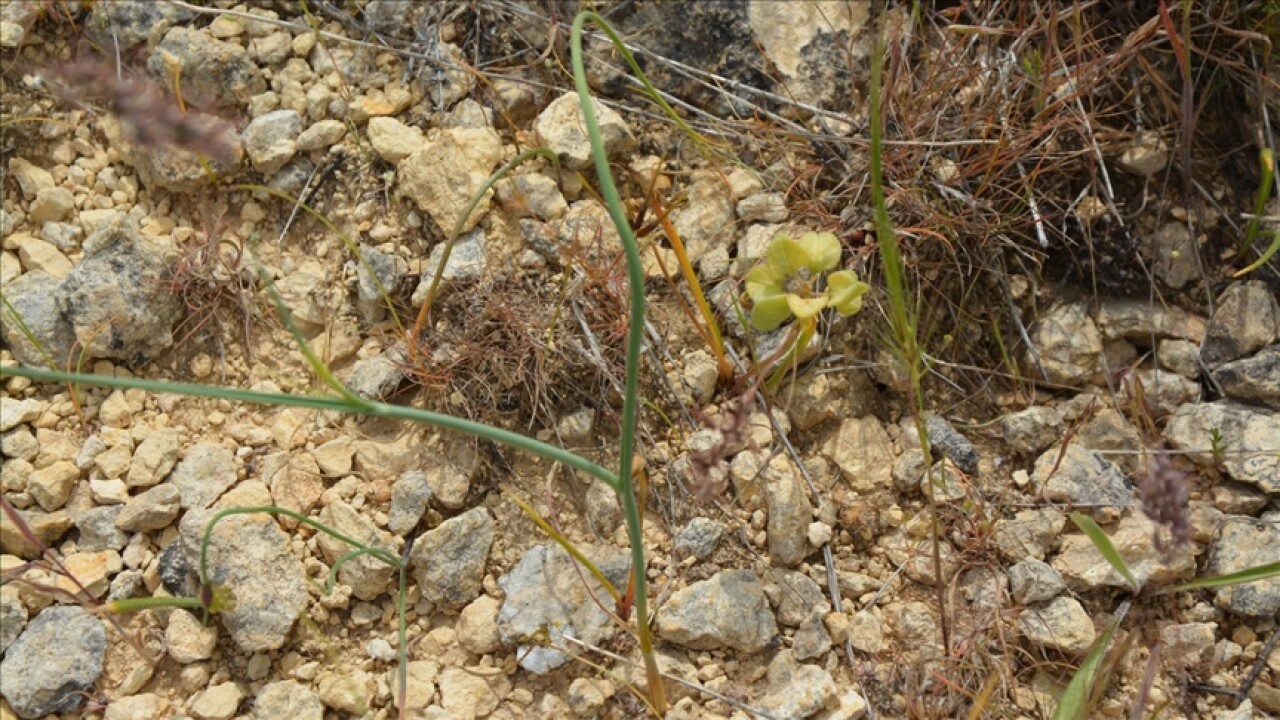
(727, 610)
(1032, 581)
(800, 39)
(1028, 534)
(1068, 345)
(467, 264)
(1060, 624)
(271, 140)
(376, 377)
(249, 554)
(575, 427)
(1253, 379)
(796, 690)
(371, 295)
(449, 560)
(915, 556)
(98, 529)
(287, 700)
(131, 22)
(1248, 438)
(212, 72)
(146, 706)
(19, 443)
(13, 617)
(1082, 477)
(546, 598)
(1029, 431)
(698, 538)
(1084, 568)
(561, 128)
(1247, 543)
(945, 440)
(795, 595)
(811, 639)
(789, 512)
(449, 472)
(207, 471)
(409, 498)
(54, 663)
(34, 297)
(1140, 322)
(153, 509)
(367, 576)
(63, 235)
(1174, 251)
(1244, 321)
(115, 299)
(176, 573)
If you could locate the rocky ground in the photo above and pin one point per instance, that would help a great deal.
(793, 579)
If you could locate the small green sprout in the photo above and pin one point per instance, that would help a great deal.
(787, 282)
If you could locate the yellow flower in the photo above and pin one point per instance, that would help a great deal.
(785, 284)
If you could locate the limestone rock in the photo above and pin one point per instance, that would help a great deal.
(1244, 321)
(449, 560)
(115, 298)
(545, 595)
(442, 176)
(1060, 624)
(561, 128)
(54, 662)
(1067, 343)
(727, 610)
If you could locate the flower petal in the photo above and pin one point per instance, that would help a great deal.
(785, 256)
(805, 308)
(845, 291)
(770, 312)
(762, 283)
(823, 250)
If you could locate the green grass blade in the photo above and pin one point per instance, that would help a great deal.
(635, 339)
(1248, 575)
(1268, 162)
(1266, 256)
(1074, 703)
(324, 402)
(1102, 542)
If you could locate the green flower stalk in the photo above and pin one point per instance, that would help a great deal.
(787, 282)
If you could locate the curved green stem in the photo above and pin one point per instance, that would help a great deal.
(635, 338)
(335, 404)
